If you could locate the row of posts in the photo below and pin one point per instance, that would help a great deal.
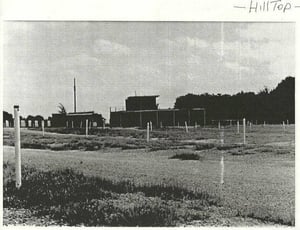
(149, 128)
(18, 144)
(90, 124)
(284, 124)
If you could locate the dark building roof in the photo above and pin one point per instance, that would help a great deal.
(81, 113)
(147, 96)
(141, 103)
(60, 120)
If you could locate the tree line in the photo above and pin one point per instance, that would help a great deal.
(271, 106)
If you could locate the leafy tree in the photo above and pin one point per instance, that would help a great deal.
(272, 106)
(62, 109)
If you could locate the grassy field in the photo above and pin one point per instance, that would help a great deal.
(259, 176)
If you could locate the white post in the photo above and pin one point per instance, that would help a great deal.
(287, 122)
(81, 124)
(238, 126)
(222, 170)
(178, 124)
(195, 124)
(43, 127)
(250, 124)
(148, 127)
(219, 125)
(67, 124)
(222, 136)
(17, 147)
(86, 127)
(72, 124)
(186, 127)
(283, 126)
(264, 123)
(244, 130)
(161, 125)
(151, 126)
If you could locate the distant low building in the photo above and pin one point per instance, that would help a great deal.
(77, 120)
(33, 121)
(7, 119)
(143, 109)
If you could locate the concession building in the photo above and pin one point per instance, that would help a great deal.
(142, 109)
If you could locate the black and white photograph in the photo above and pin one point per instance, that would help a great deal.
(148, 123)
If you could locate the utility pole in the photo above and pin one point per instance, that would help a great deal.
(74, 95)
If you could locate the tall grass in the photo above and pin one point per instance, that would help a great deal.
(73, 198)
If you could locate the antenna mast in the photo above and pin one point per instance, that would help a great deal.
(74, 95)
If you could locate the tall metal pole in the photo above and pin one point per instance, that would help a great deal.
(74, 95)
(17, 147)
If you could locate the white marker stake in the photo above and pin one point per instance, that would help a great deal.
(17, 147)
(238, 126)
(148, 131)
(43, 127)
(178, 124)
(86, 127)
(219, 125)
(287, 122)
(283, 126)
(250, 124)
(264, 123)
(72, 124)
(222, 137)
(151, 126)
(244, 130)
(222, 170)
(186, 127)
(161, 125)
(196, 125)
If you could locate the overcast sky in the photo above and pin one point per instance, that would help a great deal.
(113, 60)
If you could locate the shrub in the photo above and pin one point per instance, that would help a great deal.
(92, 201)
(203, 146)
(227, 146)
(186, 156)
(127, 210)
